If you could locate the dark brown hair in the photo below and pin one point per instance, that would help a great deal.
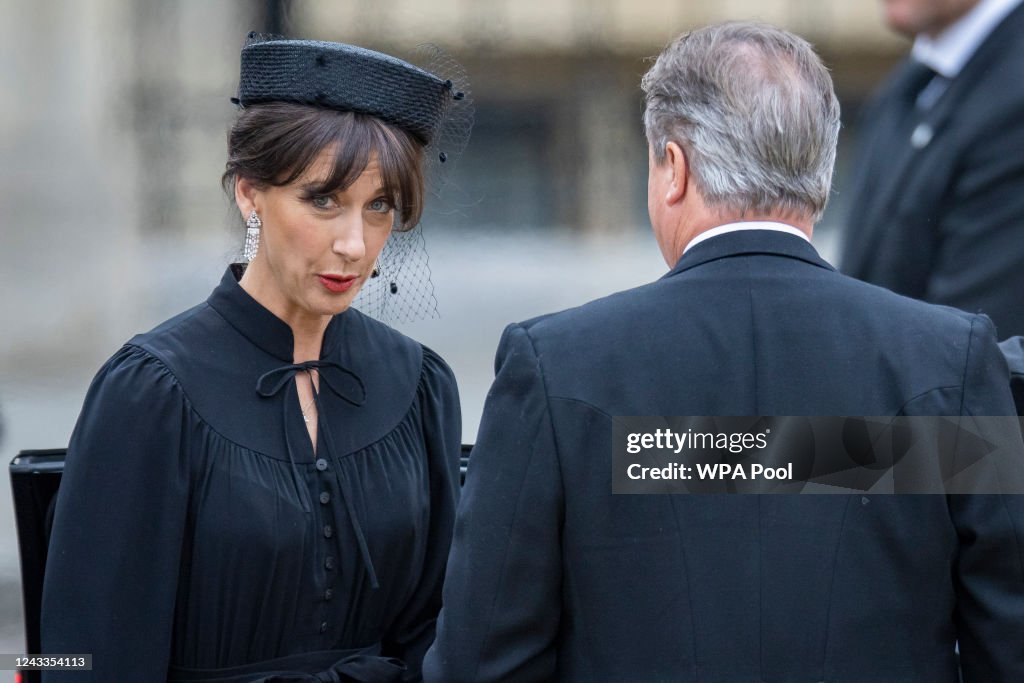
(273, 144)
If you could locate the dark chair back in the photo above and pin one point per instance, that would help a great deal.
(35, 477)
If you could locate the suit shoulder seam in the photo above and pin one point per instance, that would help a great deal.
(967, 364)
(924, 393)
(547, 404)
(588, 404)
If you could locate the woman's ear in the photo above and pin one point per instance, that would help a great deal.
(246, 196)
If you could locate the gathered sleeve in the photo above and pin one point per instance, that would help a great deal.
(114, 555)
(438, 395)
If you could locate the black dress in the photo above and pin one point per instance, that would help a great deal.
(198, 537)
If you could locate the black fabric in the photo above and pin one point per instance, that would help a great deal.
(347, 78)
(333, 666)
(192, 527)
(937, 197)
(1013, 351)
(551, 577)
(915, 79)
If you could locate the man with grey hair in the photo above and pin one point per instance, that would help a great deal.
(552, 577)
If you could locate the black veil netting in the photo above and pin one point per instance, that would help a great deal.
(404, 291)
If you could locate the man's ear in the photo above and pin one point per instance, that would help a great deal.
(675, 160)
(246, 196)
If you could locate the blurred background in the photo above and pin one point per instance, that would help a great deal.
(113, 123)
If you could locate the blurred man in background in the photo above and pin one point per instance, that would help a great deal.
(937, 206)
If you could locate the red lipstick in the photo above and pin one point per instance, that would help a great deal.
(337, 283)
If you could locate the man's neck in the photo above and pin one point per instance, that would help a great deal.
(736, 226)
(687, 220)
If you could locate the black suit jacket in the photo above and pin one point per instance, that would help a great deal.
(551, 577)
(1013, 350)
(943, 220)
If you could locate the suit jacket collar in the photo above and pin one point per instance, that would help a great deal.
(948, 52)
(749, 243)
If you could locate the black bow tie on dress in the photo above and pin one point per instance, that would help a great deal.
(349, 387)
(343, 382)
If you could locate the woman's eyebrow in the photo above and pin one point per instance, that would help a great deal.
(321, 187)
(314, 186)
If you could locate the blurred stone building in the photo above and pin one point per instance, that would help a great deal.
(115, 114)
(558, 140)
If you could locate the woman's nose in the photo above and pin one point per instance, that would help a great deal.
(348, 239)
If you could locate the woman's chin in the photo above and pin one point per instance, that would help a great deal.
(333, 304)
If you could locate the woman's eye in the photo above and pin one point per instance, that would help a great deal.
(380, 205)
(322, 201)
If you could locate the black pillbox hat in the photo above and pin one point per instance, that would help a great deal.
(346, 78)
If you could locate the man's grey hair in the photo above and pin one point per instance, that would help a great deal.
(753, 108)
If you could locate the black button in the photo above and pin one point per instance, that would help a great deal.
(328, 531)
(329, 563)
(328, 594)
(325, 498)
(323, 627)
(321, 464)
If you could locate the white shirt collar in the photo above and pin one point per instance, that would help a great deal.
(948, 52)
(745, 225)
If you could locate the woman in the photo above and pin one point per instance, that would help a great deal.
(263, 487)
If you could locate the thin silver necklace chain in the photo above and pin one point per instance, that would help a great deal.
(304, 408)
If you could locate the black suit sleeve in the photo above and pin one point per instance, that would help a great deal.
(502, 593)
(989, 568)
(1013, 351)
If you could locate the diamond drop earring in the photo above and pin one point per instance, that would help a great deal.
(252, 236)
